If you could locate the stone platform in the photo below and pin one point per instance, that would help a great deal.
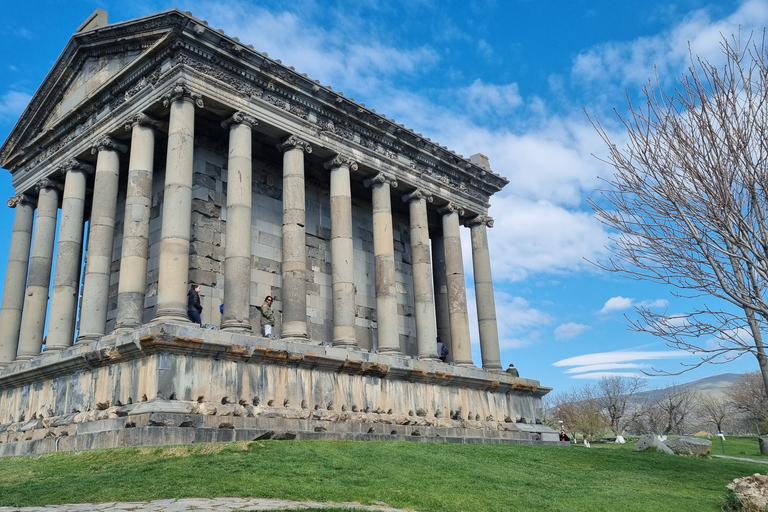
(174, 383)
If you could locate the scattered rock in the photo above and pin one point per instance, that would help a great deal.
(751, 493)
(687, 445)
(650, 441)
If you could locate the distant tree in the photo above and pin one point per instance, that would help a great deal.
(615, 393)
(689, 199)
(581, 413)
(715, 410)
(748, 398)
(668, 412)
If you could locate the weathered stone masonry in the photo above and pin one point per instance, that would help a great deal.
(190, 158)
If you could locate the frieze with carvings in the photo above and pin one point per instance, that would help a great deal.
(299, 111)
(271, 98)
(149, 80)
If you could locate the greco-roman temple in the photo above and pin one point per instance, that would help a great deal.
(161, 152)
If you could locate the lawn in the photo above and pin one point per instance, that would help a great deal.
(418, 476)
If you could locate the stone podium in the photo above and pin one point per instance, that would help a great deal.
(189, 158)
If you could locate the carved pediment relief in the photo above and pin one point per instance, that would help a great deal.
(93, 74)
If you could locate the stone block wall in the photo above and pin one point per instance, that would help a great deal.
(208, 242)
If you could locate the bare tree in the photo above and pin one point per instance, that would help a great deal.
(669, 411)
(716, 410)
(747, 397)
(689, 199)
(580, 412)
(615, 392)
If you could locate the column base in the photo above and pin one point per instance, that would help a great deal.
(493, 367)
(345, 343)
(25, 357)
(171, 314)
(390, 351)
(89, 336)
(236, 326)
(294, 330)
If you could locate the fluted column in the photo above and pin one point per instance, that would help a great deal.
(294, 286)
(486, 305)
(39, 277)
(384, 260)
(424, 302)
(173, 278)
(461, 351)
(237, 263)
(101, 234)
(138, 201)
(69, 255)
(342, 252)
(16, 276)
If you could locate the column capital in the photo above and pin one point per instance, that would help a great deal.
(417, 195)
(451, 207)
(181, 91)
(239, 118)
(380, 178)
(142, 119)
(107, 143)
(293, 142)
(480, 219)
(21, 199)
(339, 161)
(73, 164)
(48, 183)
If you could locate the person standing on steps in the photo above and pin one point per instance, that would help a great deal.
(267, 317)
(194, 307)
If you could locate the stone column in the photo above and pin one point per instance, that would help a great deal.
(384, 258)
(138, 202)
(69, 255)
(461, 351)
(101, 234)
(39, 277)
(486, 305)
(441, 291)
(237, 263)
(16, 276)
(177, 205)
(294, 286)
(342, 252)
(424, 302)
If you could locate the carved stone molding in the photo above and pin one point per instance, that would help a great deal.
(73, 164)
(181, 91)
(380, 178)
(239, 118)
(450, 208)
(21, 199)
(338, 161)
(142, 119)
(417, 195)
(293, 142)
(107, 143)
(48, 183)
(480, 219)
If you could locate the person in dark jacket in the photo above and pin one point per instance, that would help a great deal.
(193, 304)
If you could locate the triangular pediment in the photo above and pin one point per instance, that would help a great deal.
(87, 68)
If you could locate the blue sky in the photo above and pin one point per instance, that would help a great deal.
(509, 79)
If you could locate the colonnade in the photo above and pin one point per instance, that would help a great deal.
(27, 281)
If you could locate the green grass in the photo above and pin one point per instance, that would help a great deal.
(419, 476)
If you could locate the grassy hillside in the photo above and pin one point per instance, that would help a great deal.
(418, 476)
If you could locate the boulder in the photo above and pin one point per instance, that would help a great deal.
(750, 492)
(687, 445)
(650, 441)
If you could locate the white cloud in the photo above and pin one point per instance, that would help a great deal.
(621, 356)
(602, 366)
(485, 98)
(570, 330)
(13, 103)
(654, 304)
(618, 303)
(600, 375)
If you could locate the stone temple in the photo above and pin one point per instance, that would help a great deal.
(161, 152)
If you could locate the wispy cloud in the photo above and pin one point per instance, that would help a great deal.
(570, 330)
(620, 303)
(621, 356)
(13, 103)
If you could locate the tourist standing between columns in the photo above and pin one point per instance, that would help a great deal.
(39, 277)
(424, 302)
(486, 305)
(173, 274)
(16, 276)
(237, 263)
(461, 351)
(69, 256)
(294, 285)
(342, 252)
(384, 258)
(138, 201)
(101, 234)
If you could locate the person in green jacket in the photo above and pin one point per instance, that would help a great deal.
(267, 317)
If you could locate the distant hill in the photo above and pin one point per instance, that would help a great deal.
(716, 385)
